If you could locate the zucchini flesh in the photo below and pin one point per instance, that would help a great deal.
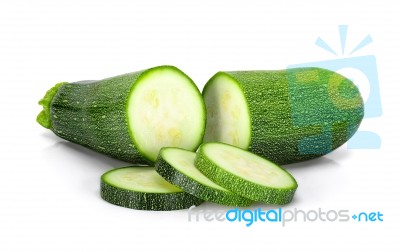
(121, 116)
(177, 167)
(143, 189)
(245, 173)
(165, 109)
(228, 115)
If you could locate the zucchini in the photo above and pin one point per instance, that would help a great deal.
(177, 167)
(143, 189)
(245, 173)
(285, 116)
(121, 116)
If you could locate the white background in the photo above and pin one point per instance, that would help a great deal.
(49, 189)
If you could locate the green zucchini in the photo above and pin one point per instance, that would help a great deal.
(245, 173)
(143, 189)
(129, 117)
(177, 167)
(286, 116)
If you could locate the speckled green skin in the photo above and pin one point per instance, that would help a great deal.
(147, 201)
(298, 114)
(190, 185)
(94, 114)
(241, 186)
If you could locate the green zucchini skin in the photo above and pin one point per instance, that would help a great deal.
(147, 201)
(240, 185)
(172, 175)
(94, 114)
(298, 114)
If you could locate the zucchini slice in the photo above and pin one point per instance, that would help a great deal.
(245, 173)
(177, 167)
(143, 189)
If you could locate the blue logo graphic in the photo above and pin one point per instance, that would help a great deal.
(360, 69)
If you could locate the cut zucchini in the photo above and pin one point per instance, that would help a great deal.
(143, 189)
(177, 167)
(285, 116)
(121, 116)
(245, 173)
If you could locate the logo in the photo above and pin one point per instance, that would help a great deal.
(362, 70)
(282, 216)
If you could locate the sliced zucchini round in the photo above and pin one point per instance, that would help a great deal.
(245, 173)
(142, 188)
(177, 167)
(165, 96)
